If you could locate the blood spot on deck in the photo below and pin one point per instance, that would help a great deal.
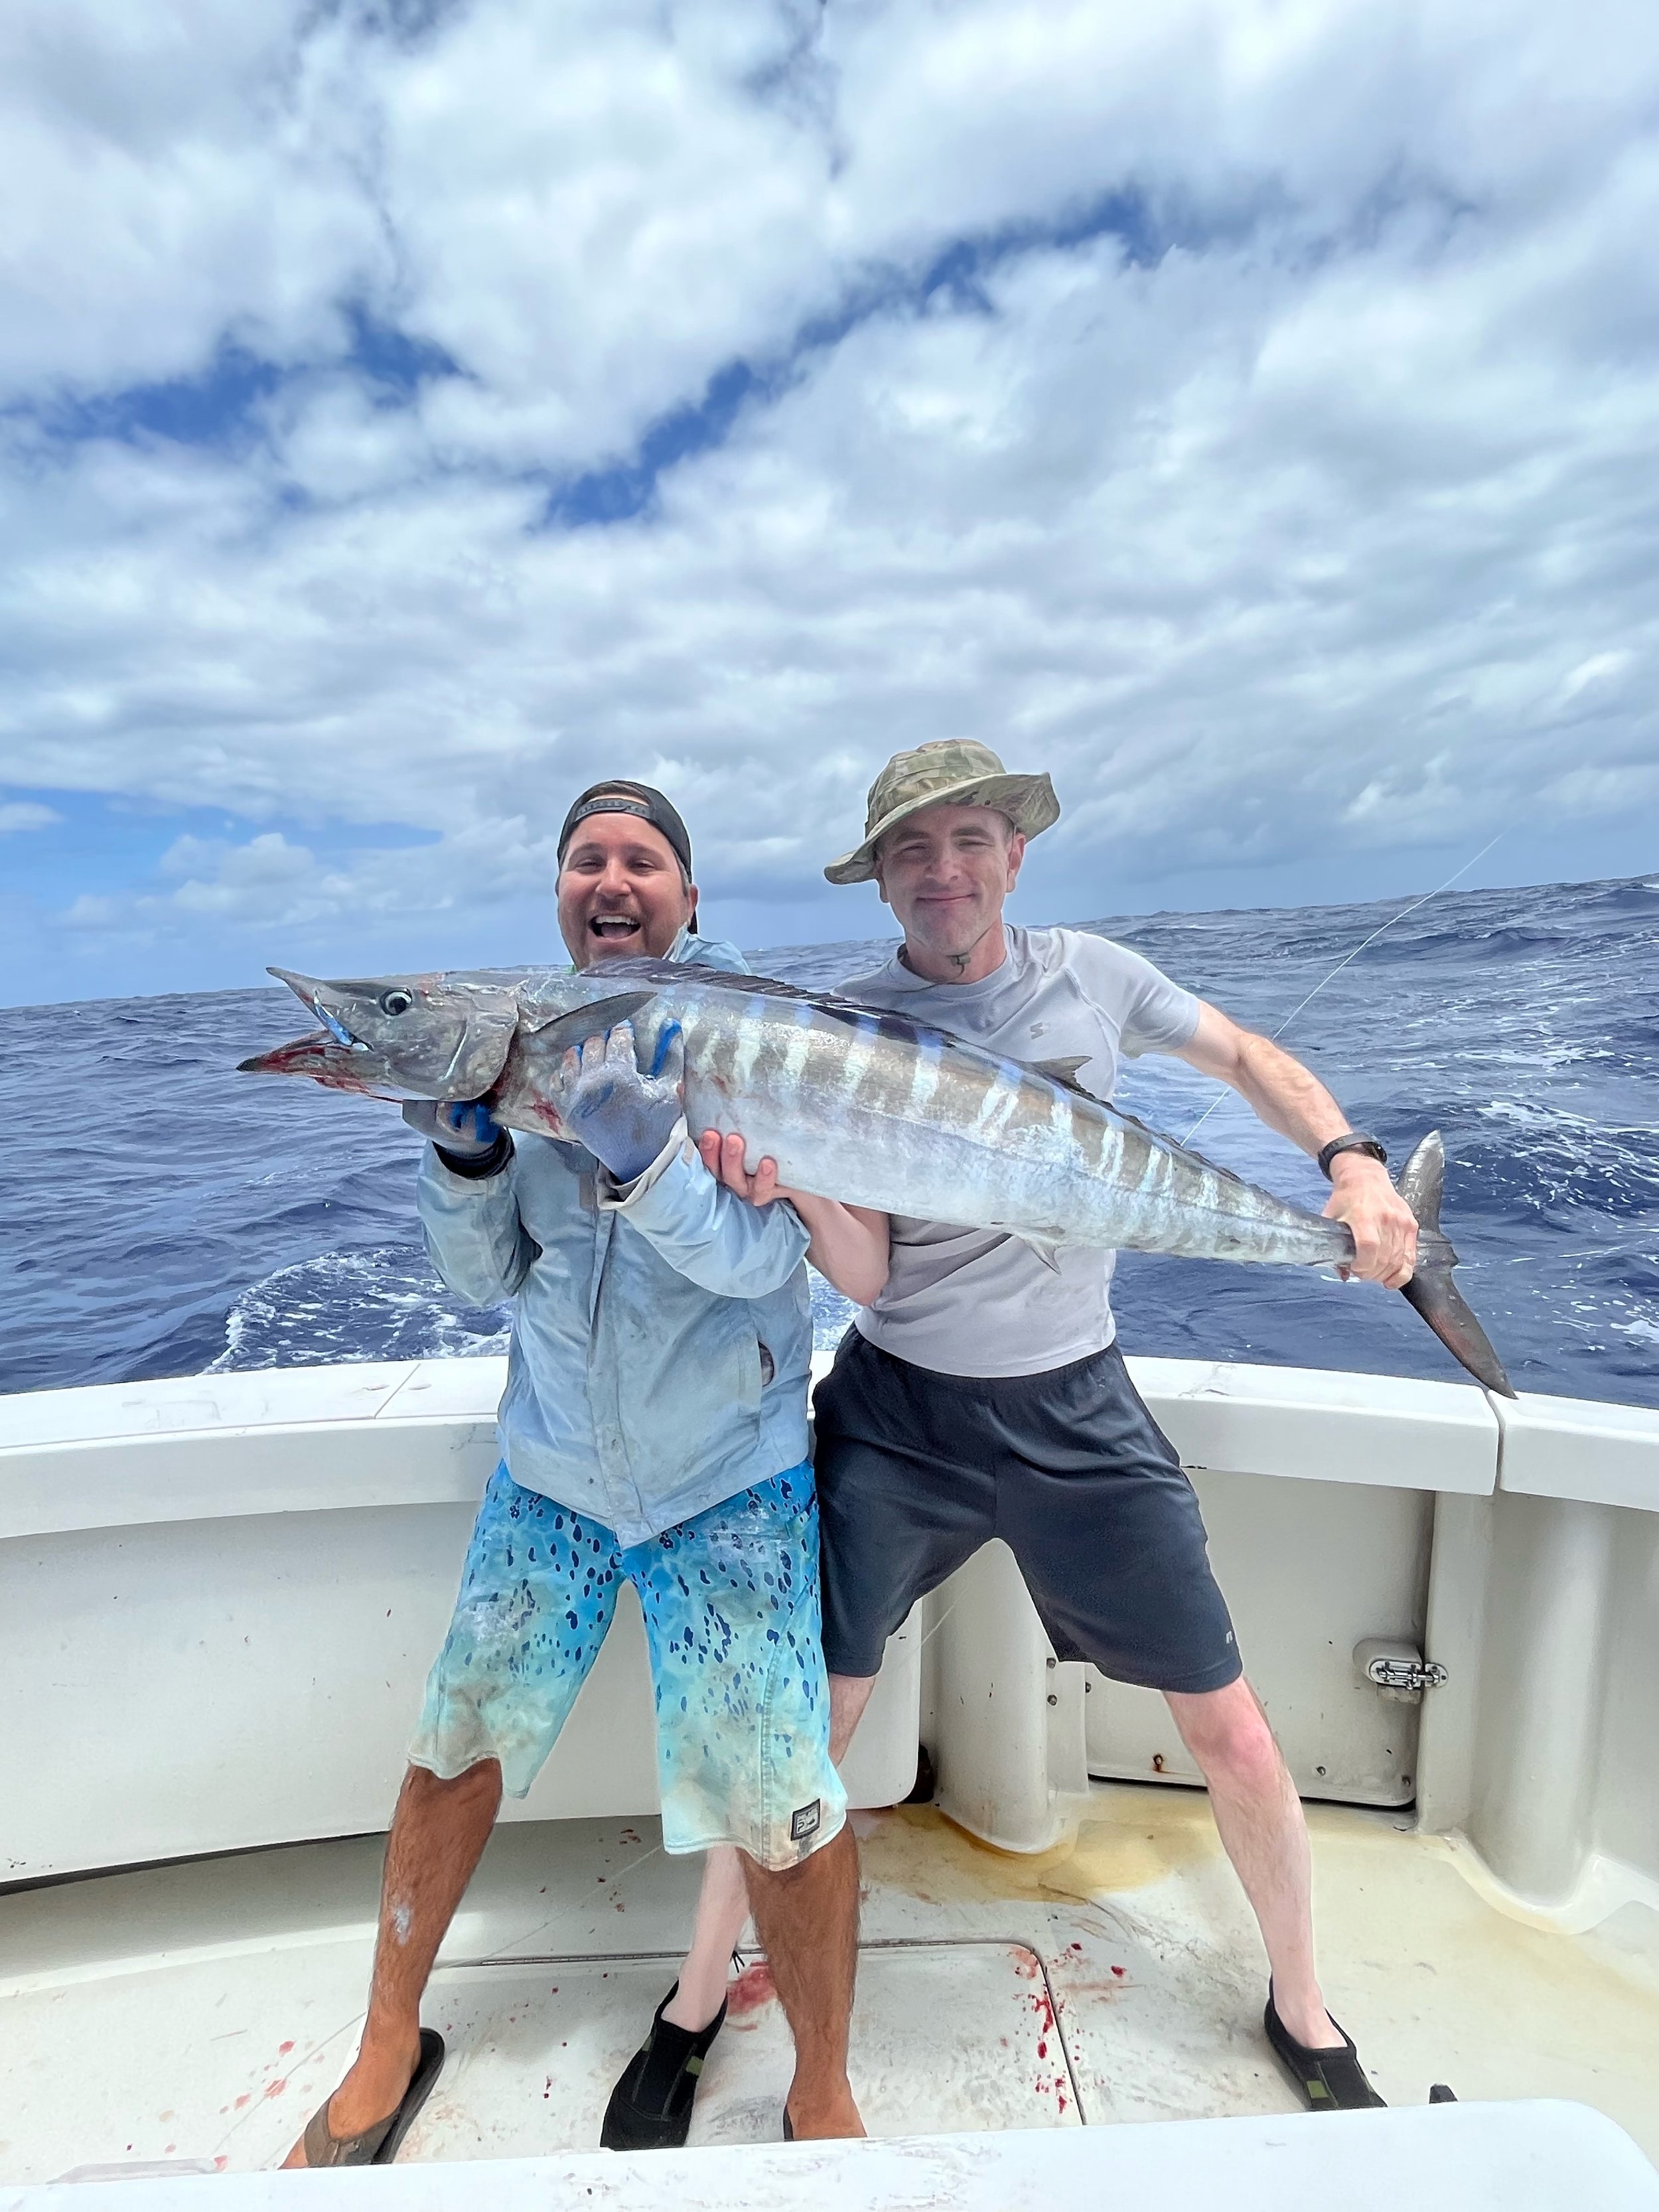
(752, 1992)
(282, 2049)
(275, 2088)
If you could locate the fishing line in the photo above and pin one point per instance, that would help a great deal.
(1344, 962)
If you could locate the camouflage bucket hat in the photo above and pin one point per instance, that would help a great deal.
(956, 770)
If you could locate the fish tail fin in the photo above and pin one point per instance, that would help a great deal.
(1431, 1290)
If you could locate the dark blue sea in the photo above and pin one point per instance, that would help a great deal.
(163, 1215)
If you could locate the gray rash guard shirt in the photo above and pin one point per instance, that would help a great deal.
(971, 1301)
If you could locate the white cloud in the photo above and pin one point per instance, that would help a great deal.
(1320, 516)
(26, 814)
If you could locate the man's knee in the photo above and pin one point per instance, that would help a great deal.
(1227, 1733)
(825, 1864)
(478, 1784)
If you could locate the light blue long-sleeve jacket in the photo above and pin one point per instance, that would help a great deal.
(662, 1332)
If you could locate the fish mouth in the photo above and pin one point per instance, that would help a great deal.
(305, 1056)
(336, 1027)
(310, 996)
(319, 1056)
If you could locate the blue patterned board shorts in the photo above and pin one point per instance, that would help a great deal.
(731, 1617)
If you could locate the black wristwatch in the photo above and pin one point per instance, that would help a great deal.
(1356, 1140)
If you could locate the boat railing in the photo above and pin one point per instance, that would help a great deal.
(219, 1595)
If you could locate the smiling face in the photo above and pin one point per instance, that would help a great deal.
(946, 872)
(621, 891)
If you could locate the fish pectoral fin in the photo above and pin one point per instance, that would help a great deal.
(1044, 1244)
(560, 1031)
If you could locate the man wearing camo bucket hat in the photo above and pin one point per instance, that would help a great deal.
(982, 1394)
(949, 772)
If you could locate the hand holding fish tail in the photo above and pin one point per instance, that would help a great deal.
(1382, 1224)
(606, 1101)
(851, 1245)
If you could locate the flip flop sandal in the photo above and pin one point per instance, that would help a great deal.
(377, 2145)
(1332, 2080)
(650, 2107)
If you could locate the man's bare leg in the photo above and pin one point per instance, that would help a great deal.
(723, 1901)
(438, 1834)
(722, 1910)
(1265, 1835)
(808, 1920)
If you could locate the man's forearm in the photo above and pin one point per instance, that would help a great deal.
(1286, 1095)
(850, 1245)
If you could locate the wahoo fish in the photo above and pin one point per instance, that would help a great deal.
(856, 1103)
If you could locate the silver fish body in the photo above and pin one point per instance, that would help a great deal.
(877, 1111)
(857, 1104)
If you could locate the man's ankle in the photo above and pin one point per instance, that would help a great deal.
(695, 2004)
(823, 2113)
(374, 2083)
(1306, 2020)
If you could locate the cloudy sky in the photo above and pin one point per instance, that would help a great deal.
(1245, 409)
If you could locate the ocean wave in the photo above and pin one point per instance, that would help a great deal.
(381, 1302)
(386, 1303)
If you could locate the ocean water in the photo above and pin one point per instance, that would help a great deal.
(161, 1215)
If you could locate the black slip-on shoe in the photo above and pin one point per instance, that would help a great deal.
(1332, 2080)
(650, 2107)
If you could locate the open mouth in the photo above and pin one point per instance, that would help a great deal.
(336, 1027)
(614, 928)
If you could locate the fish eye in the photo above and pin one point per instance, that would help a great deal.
(396, 1002)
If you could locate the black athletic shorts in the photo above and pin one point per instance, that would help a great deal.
(916, 1470)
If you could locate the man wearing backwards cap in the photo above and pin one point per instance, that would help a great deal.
(981, 1391)
(652, 1430)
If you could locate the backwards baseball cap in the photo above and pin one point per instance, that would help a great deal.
(616, 795)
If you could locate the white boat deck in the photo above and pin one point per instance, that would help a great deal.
(1487, 1886)
(190, 2016)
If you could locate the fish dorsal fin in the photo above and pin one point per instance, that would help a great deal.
(1065, 1072)
(834, 1005)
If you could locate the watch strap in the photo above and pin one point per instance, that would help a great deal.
(1353, 1140)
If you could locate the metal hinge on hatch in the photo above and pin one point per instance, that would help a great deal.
(1398, 1669)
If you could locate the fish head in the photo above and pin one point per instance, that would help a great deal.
(421, 1036)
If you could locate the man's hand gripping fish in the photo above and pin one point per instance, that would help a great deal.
(865, 1106)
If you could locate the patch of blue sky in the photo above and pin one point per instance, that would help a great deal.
(104, 847)
(221, 405)
(955, 279)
